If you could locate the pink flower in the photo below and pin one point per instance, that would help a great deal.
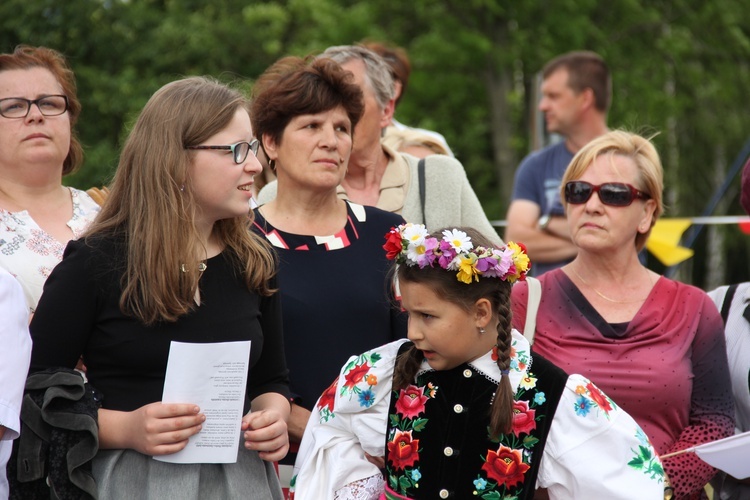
(411, 401)
(523, 418)
(447, 254)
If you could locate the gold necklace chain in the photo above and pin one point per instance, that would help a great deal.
(600, 294)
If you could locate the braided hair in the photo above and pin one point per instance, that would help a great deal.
(447, 287)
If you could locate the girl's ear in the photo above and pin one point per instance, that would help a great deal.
(482, 312)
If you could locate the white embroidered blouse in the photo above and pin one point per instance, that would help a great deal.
(594, 448)
(29, 253)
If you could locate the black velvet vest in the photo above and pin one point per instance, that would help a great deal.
(438, 443)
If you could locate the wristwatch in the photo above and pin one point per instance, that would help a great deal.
(544, 222)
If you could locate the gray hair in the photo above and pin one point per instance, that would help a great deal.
(377, 71)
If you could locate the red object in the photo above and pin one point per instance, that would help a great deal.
(745, 227)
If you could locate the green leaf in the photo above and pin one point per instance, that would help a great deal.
(636, 463)
(530, 441)
(419, 424)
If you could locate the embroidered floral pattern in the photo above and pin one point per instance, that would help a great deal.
(30, 251)
(358, 382)
(403, 448)
(411, 402)
(506, 466)
(589, 396)
(403, 451)
(523, 418)
(646, 461)
(503, 469)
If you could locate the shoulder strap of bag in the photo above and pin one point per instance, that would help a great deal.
(532, 307)
(422, 188)
(727, 304)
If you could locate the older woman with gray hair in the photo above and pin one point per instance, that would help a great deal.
(382, 177)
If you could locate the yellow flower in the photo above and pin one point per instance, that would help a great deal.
(467, 270)
(520, 261)
(528, 382)
(580, 390)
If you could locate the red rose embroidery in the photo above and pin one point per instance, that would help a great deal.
(328, 397)
(505, 466)
(523, 418)
(600, 399)
(402, 450)
(392, 245)
(411, 401)
(356, 375)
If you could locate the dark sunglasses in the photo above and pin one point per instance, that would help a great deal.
(615, 194)
(239, 150)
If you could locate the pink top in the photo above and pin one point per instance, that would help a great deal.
(667, 367)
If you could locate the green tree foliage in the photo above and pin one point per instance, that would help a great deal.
(680, 68)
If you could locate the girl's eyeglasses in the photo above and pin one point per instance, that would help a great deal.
(615, 194)
(239, 150)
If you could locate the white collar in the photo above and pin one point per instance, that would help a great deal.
(520, 362)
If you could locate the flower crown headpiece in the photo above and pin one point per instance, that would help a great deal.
(411, 244)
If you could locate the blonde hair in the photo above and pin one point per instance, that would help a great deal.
(152, 206)
(398, 139)
(629, 145)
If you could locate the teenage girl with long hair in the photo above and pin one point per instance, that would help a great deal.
(171, 258)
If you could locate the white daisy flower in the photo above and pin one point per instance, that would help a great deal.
(415, 234)
(458, 240)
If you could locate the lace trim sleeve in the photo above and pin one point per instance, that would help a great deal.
(369, 488)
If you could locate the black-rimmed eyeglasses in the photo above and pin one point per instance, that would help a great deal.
(18, 107)
(615, 194)
(239, 150)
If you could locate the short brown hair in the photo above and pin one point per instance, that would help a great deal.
(586, 70)
(293, 86)
(27, 57)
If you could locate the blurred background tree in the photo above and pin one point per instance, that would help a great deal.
(681, 69)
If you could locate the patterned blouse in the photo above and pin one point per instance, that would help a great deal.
(29, 253)
(568, 436)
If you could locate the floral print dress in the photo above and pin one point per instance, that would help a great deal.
(29, 253)
(567, 437)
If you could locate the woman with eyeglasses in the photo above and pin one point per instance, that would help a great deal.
(38, 146)
(656, 346)
(333, 275)
(172, 258)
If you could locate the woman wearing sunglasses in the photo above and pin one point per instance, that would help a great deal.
(654, 345)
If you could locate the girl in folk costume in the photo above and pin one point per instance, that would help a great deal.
(463, 408)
